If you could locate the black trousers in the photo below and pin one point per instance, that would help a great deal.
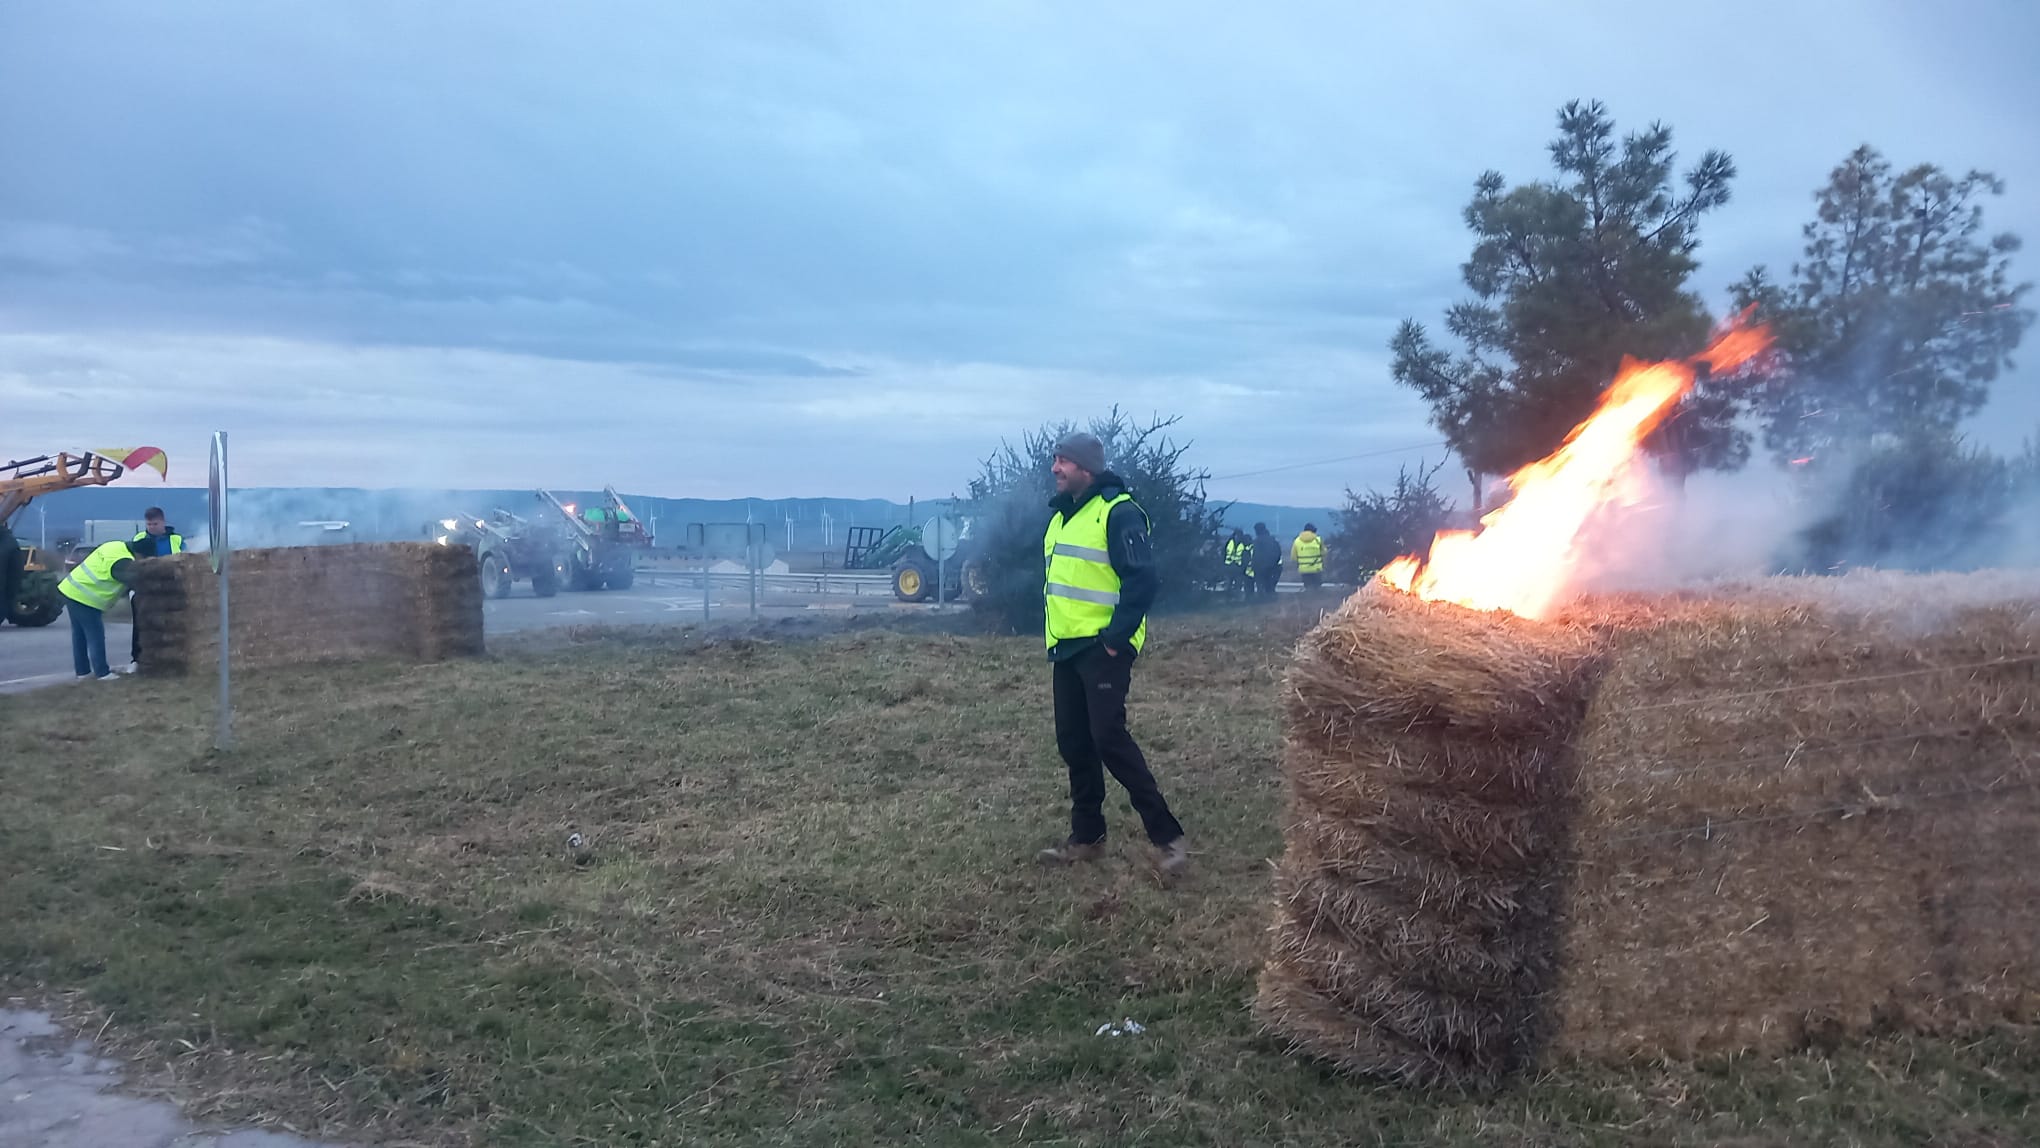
(1090, 730)
(1267, 576)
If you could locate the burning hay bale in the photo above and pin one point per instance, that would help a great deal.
(327, 603)
(1657, 826)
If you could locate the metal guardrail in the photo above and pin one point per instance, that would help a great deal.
(854, 583)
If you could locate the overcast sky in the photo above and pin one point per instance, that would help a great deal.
(787, 249)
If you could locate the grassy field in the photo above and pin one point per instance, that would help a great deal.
(810, 914)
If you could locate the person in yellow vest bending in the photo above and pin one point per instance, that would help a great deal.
(1309, 552)
(96, 584)
(1100, 581)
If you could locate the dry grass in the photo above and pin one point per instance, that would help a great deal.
(808, 913)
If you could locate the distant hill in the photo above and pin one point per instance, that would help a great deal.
(271, 516)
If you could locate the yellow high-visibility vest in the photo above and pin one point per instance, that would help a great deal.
(1309, 550)
(1236, 553)
(92, 583)
(176, 541)
(1082, 587)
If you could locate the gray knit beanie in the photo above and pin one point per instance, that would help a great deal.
(1083, 449)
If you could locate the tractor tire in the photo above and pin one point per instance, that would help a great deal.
(621, 579)
(913, 582)
(31, 610)
(545, 582)
(496, 579)
(975, 581)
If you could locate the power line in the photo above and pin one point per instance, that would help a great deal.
(1327, 461)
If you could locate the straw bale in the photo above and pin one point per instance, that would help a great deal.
(1384, 660)
(309, 604)
(1426, 946)
(1289, 1005)
(1753, 817)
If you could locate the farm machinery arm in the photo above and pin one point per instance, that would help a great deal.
(24, 480)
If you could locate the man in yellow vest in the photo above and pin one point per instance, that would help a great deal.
(157, 539)
(94, 586)
(1309, 552)
(1100, 581)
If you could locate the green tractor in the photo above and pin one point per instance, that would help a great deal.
(508, 550)
(28, 580)
(911, 555)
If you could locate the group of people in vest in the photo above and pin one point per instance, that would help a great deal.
(95, 585)
(1254, 565)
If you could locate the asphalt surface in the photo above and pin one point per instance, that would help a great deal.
(55, 1092)
(39, 658)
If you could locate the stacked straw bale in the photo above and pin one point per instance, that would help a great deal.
(1793, 813)
(415, 601)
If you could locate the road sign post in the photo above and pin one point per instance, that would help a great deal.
(221, 549)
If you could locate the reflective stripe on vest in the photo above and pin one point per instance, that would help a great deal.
(1310, 555)
(92, 583)
(1081, 587)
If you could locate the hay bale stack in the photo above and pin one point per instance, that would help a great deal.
(415, 601)
(1659, 826)
(1426, 765)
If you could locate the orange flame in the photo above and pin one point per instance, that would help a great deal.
(1523, 557)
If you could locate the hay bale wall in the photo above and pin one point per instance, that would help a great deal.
(1659, 827)
(415, 601)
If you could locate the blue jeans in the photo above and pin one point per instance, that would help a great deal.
(88, 640)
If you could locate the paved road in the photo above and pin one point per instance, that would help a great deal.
(33, 659)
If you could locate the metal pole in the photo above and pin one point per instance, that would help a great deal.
(941, 564)
(757, 544)
(223, 736)
(704, 582)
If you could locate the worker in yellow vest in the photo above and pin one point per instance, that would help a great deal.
(91, 589)
(157, 539)
(1309, 552)
(1100, 581)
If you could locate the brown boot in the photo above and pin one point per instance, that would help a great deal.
(1071, 852)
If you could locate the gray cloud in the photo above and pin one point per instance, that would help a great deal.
(843, 249)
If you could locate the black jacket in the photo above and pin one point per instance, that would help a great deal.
(1267, 552)
(1133, 559)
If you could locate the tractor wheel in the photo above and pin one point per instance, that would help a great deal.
(36, 605)
(496, 579)
(545, 582)
(975, 581)
(912, 583)
(621, 579)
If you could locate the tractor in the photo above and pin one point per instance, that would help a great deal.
(29, 576)
(508, 550)
(910, 554)
(606, 541)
